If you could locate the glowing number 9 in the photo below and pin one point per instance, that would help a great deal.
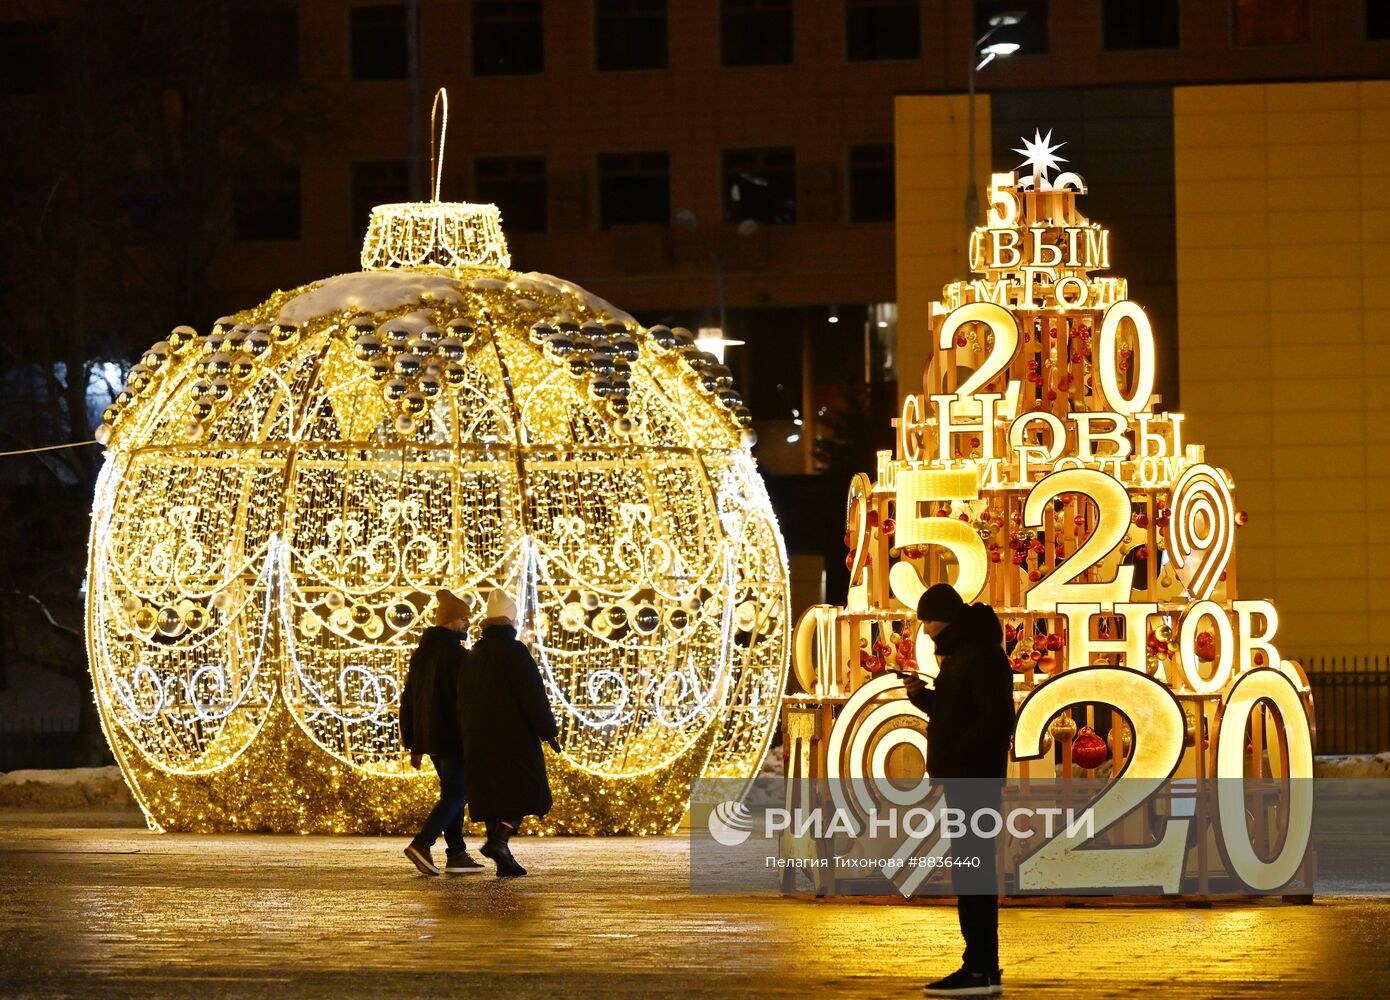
(1112, 523)
(1157, 718)
(918, 490)
(1108, 358)
(1267, 685)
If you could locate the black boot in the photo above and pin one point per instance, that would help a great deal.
(498, 833)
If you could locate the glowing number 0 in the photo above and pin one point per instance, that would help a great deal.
(1271, 686)
(1060, 864)
(1108, 358)
(1113, 522)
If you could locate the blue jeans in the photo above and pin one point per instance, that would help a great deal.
(447, 815)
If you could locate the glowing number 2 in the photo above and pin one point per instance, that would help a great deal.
(1005, 329)
(1114, 506)
(857, 527)
(1060, 863)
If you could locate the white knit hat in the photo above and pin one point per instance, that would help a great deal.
(501, 607)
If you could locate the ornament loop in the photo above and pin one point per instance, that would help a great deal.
(441, 98)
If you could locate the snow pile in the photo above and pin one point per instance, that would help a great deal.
(1355, 765)
(73, 788)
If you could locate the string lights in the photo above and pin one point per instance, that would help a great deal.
(281, 494)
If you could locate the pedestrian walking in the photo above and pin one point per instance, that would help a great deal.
(505, 717)
(971, 720)
(429, 725)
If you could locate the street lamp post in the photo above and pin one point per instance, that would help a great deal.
(719, 255)
(998, 50)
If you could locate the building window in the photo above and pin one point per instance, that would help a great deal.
(517, 186)
(871, 195)
(882, 29)
(1271, 22)
(1140, 24)
(755, 32)
(267, 44)
(26, 56)
(634, 188)
(630, 34)
(384, 182)
(379, 45)
(266, 204)
(508, 37)
(760, 184)
(1030, 33)
(1377, 19)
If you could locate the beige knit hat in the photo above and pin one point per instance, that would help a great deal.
(500, 608)
(449, 608)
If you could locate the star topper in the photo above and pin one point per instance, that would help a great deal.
(1040, 154)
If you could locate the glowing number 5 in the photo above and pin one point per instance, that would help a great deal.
(918, 491)
(1114, 514)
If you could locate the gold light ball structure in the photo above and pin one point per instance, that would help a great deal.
(282, 494)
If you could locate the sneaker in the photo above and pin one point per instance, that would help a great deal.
(963, 983)
(421, 857)
(461, 863)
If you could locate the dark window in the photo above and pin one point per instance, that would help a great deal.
(1377, 19)
(508, 37)
(26, 56)
(1030, 33)
(630, 34)
(267, 44)
(379, 42)
(145, 203)
(760, 184)
(1271, 22)
(384, 182)
(871, 183)
(882, 29)
(517, 186)
(755, 32)
(634, 188)
(265, 204)
(1140, 24)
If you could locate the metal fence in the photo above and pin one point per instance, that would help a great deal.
(37, 743)
(1351, 700)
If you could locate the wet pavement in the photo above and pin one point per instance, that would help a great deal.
(96, 906)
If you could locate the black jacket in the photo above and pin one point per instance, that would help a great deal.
(504, 715)
(429, 721)
(971, 709)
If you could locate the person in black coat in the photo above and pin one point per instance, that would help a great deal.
(971, 720)
(429, 725)
(505, 716)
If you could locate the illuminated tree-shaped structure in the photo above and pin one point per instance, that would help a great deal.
(282, 495)
(1032, 472)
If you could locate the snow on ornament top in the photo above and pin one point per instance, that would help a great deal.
(283, 493)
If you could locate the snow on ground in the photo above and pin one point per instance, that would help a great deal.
(65, 789)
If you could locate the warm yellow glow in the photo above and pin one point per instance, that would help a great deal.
(1108, 358)
(1265, 686)
(918, 491)
(284, 493)
(1112, 504)
(1065, 862)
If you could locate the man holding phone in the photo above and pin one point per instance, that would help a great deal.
(971, 720)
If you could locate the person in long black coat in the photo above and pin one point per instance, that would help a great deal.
(429, 725)
(504, 717)
(970, 722)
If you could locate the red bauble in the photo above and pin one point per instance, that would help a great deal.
(1088, 749)
(890, 526)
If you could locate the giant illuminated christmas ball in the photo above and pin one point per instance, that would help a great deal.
(283, 493)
